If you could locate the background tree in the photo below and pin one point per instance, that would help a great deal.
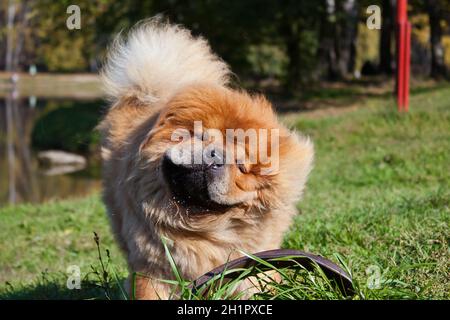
(435, 9)
(293, 42)
(338, 35)
(388, 9)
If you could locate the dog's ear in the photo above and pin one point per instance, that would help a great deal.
(120, 116)
(158, 121)
(127, 119)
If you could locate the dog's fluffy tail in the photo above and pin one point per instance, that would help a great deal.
(156, 59)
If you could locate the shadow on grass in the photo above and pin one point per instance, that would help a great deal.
(55, 289)
(343, 94)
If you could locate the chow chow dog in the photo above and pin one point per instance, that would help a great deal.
(168, 172)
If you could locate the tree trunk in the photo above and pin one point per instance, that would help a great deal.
(387, 30)
(21, 25)
(342, 57)
(329, 48)
(290, 32)
(10, 12)
(438, 68)
(352, 12)
(326, 54)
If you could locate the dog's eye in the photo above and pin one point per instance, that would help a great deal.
(242, 168)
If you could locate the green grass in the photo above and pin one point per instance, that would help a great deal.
(379, 194)
(378, 197)
(39, 243)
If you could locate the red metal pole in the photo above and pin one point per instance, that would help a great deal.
(407, 66)
(400, 67)
(403, 55)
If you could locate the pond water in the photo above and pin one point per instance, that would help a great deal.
(30, 125)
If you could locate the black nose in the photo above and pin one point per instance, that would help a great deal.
(189, 182)
(178, 170)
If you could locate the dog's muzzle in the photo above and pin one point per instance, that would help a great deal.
(190, 183)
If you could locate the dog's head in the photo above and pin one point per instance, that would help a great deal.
(214, 151)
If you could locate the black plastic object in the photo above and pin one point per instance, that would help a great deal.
(307, 260)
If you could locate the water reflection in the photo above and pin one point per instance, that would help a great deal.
(22, 179)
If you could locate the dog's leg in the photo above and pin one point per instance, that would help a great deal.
(257, 284)
(145, 288)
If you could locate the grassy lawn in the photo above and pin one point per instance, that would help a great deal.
(378, 197)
